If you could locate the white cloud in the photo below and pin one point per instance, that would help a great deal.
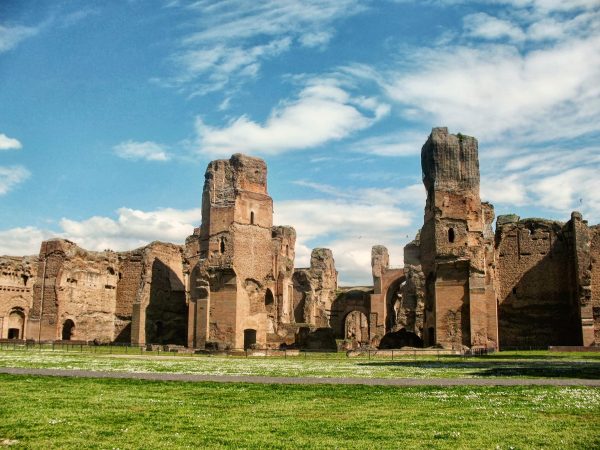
(316, 39)
(349, 228)
(577, 188)
(11, 176)
(495, 92)
(149, 151)
(482, 25)
(11, 36)
(7, 143)
(508, 189)
(350, 222)
(394, 144)
(322, 112)
(132, 228)
(236, 37)
(22, 241)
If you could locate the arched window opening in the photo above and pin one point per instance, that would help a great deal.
(16, 324)
(356, 327)
(451, 235)
(251, 217)
(269, 300)
(287, 251)
(222, 246)
(67, 330)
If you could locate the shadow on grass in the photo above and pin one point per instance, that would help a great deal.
(527, 369)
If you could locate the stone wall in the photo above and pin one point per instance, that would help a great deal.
(238, 266)
(595, 279)
(128, 285)
(536, 289)
(315, 289)
(460, 307)
(17, 276)
(160, 309)
(74, 294)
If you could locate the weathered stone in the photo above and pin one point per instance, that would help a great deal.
(532, 282)
(315, 289)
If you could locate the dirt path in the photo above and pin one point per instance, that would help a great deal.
(305, 380)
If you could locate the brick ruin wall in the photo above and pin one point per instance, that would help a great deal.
(595, 279)
(536, 290)
(17, 275)
(128, 284)
(315, 289)
(74, 293)
(160, 309)
(538, 275)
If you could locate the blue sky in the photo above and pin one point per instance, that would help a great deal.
(110, 111)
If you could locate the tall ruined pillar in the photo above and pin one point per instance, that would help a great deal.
(460, 300)
(230, 280)
(43, 323)
(380, 262)
(583, 276)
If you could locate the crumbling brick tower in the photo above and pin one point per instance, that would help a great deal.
(234, 285)
(456, 246)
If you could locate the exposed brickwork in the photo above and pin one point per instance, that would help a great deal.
(536, 289)
(459, 294)
(595, 279)
(17, 275)
(239, 266)
(533, 282)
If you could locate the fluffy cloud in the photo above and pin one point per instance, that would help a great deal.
(11, 36)
(526, 84)
(22, 241)
(11, 176)
(350, 222)
(149, 151)
(7, 143)
(130, 229)
(328, 111)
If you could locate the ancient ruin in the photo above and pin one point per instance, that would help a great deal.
(233, 284)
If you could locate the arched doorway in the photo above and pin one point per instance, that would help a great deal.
(16, 324)
(67, 330)
(271, 310)
(249, 338)
(356, 327)
(397, 313)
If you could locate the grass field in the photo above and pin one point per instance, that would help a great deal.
(503, 364)
(44, 412)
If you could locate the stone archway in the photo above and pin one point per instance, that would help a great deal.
(356, 327)
(67, 330)
(396, 312)
(16, 324)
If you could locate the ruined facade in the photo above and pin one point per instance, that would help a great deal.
(233, 285)
(238, 266)
(531, 283)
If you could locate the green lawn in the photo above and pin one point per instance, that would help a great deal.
(510, 364)
(46, 412)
